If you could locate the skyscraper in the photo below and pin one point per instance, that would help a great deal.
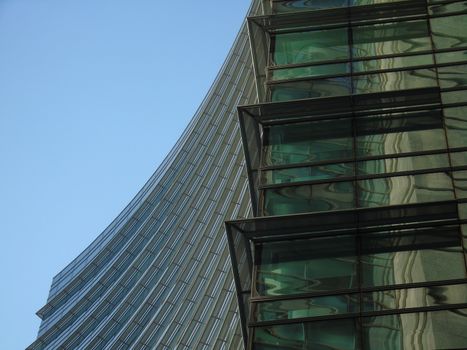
(356, 158)
(354, 128)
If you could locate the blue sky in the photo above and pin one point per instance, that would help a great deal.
(93, 94)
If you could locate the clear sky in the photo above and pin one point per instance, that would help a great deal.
(93, 94)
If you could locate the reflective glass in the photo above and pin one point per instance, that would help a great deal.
(390, 38)
(322, 335)
(310, 46)
(321, 172)
(309, 307)
(443, 9)
(309, 198)
(458, 158)
(415, 297)
(339, 86)
(453, 76)
(307, 5)
(456, 125)
(307, 142)
(460, 183)
(392, 63)
(392, 165)
(404, 190)
(310, 71)
(451, 56)
(401, 80)
(449, 32)
(399, 258)
(304, 266)
(399, 133)
(426, 330)
(454, 97)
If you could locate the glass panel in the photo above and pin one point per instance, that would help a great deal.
(392, 258)
(323, 335)
(390, 38)
(307, 142)
(426, 330)
(415, 297)
(391, 63)
(310, 307)
(402, 80)
(320, 172)
(459, 158)
(456, 125)
(306, 5)
(310, 89)
(304, 266)
(453, 76)
(310, 46)
(454, 97)
(309, 198)
(460, 183)
(400, 133)
(443, 9)
(391, 165)
(452, 56)
(449, 32)
(404, 190)
(310, 71)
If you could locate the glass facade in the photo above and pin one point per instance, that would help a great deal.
(356, 154)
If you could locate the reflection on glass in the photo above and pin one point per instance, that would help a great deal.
(460, 183)
(309, 198)
(459, 158)
(443, 9)
(409, 79)
(400, 133)
(310, 46)
(454, 97)
(425, 330)
(335, 334)
(390, 38)
(391, 165)
(449, 32)
(393, 62)
(322, 172)
(451, 56)
(310, 71)
(415, 297)
(453, 76)
(308, 5)
(404, 190)
(308, 142)
(310, 307)
(339, 86)
(456, 124)
(304, 266)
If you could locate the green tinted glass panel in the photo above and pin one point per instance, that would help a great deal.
(449, 32)
(307, 142)
(415, 297)
(392, 165)
(391, 258)
(310, 46)
(305, 266)
(454, 97)
(426, 330)
(309, 307)
(460, 183)
(396, 134)
(391, 63)
(402, 80)
(456, 125)
(312, 173)
(306, 5)
(404, 190)
(310, 89)
(459, 158)
(335, 335)
(453, 76)
(451, 56)
(311, 71)
(390, 38)
(309, 198)
(443, 9)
